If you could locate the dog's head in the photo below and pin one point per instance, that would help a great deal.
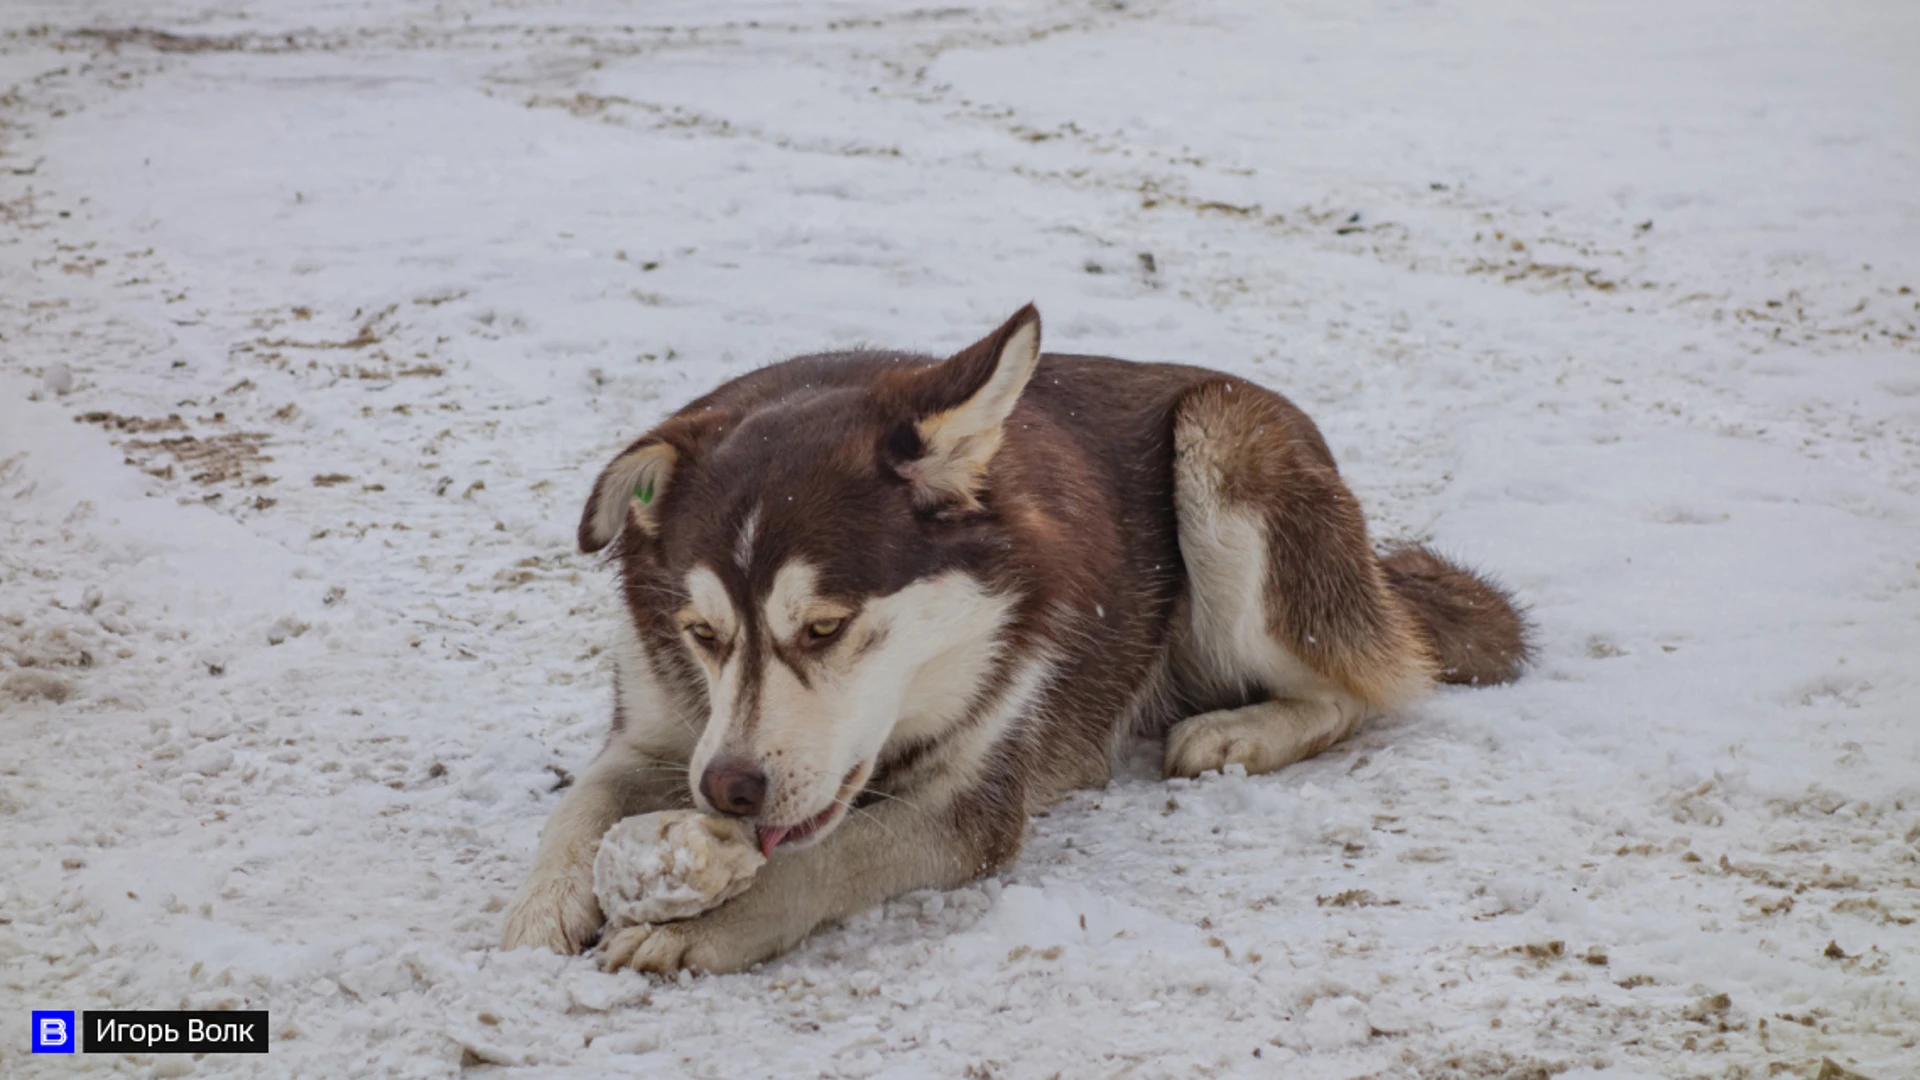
(814, 538)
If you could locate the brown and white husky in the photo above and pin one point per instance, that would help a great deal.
(881, 606)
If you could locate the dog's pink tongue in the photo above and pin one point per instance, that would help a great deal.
(770, 839)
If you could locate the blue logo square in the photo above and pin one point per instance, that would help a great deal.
(54, 1031)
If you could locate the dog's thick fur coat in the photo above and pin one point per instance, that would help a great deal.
(882, 605)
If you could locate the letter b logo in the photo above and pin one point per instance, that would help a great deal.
(53, 1032)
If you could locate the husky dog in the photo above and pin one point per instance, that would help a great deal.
(882, 605)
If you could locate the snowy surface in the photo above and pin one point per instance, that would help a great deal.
(316, 318)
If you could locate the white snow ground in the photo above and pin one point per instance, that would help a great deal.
(348, 300)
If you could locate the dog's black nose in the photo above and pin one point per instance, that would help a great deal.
(735, 788)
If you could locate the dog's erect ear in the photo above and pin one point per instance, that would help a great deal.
(959, 408)
(630, 489)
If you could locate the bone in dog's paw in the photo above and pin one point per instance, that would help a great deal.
(557, 912)
(672, 864)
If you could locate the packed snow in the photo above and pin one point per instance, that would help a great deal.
(318, 316)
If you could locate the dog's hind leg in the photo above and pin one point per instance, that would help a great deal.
(1261, 738)
(1292, 619)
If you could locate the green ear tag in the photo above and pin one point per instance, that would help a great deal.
(645, 493)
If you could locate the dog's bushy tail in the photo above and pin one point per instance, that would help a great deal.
(1476, 633)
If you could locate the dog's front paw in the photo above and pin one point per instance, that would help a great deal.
(699, 944)
(553, 910)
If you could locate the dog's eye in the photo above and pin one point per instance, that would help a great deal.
(702, 631)
(822, 629)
